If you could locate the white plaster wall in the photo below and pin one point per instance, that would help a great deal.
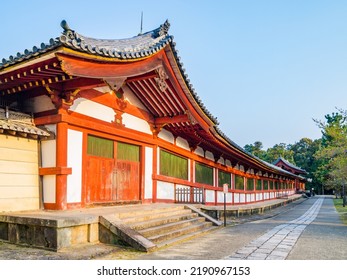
(236, 198)
(242, 198)
(199, 151)
(259, 196)
(228, 163)
(93, 109)
(209, 155)
(49, 188)
(165, 190)
(136, 123)
(48, 155)
(221, 160)
(210, 196)
(74, 160)
(180, 142)
(148, 173)
(220, 197)
(266, 195)
(166, 135)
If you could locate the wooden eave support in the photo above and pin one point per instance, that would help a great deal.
(75, 66)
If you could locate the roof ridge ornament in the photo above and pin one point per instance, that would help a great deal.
(69, 33)
(65, 26)
(164, 28)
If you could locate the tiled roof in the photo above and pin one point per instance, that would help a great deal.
(137, 47)
(27, 54)
(16, 122)
(289, 164)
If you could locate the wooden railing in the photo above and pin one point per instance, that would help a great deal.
(189, 195)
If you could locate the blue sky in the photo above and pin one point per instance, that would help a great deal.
(265, 69)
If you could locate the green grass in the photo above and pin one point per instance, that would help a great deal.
(341, 210)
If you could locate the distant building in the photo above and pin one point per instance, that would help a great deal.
(118, 121)
(286, 165)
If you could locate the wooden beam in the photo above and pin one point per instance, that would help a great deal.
(169, 120)
(55, 171)
(75, 66)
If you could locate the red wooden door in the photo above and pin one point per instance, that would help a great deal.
(99, 179)
(127, 183)
(112, 171)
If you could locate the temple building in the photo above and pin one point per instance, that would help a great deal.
(87, 122)
(286, 165)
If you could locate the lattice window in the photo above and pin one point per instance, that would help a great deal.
(203, 174)
(224, 177)
(100, 147)
(173, 166)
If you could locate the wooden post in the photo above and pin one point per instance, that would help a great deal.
(61, 161)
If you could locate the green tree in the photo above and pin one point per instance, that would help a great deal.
(332, 154)
(279, 150)
(303, 155)
(256, 149)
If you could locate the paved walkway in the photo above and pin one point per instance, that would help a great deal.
(104, 251)
(316, 238)
(277, 243)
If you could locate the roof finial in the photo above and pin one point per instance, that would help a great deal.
(141, 23)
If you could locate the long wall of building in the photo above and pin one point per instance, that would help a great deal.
(126, 163)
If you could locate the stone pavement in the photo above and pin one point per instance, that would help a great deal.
(277, 243)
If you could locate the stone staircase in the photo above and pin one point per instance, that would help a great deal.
(147, 230)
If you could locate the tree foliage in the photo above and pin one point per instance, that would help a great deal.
(332, 155)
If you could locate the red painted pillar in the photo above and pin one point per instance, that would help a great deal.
(61, 162)
(155, 172)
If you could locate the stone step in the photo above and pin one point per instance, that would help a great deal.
(150, 210)
(176, 233)
(185, 237)
(161, 221)
(147, 228)
(168, 227)
(155, 215)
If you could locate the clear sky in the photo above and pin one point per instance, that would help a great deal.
(265, 69)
